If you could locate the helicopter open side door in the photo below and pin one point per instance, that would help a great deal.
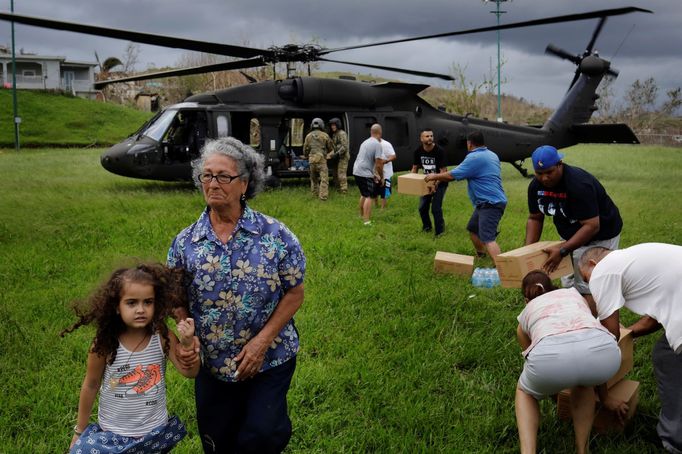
(398, 128)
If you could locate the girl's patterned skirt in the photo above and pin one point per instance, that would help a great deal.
(160, 440)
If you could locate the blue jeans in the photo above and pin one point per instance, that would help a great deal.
(245, 417)
(435, 202)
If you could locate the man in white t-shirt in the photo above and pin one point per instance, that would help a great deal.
(647, 279)
(389, 157)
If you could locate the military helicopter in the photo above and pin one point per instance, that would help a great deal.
(272, 115)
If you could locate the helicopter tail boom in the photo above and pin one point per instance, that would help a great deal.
(604, 133)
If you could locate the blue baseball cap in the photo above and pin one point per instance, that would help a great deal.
(545, 157)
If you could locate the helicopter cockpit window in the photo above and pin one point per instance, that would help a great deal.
(157, 128)
(185, 136)
(221, 125)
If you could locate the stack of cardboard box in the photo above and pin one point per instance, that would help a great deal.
(619, 387)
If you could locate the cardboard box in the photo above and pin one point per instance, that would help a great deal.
(413, 184)
(625, 343)
(513, 266)
(607, 421)
(563, 405)
(446, 262)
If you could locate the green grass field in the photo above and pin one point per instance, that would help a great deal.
(393, 359)
(51, 119)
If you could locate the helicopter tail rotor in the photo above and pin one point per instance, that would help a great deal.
(559, 52)
(589, 62)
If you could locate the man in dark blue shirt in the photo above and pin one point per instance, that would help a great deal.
(583, 213)
(431, 159)
(481, 168)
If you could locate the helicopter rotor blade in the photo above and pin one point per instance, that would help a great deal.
(595, 35)
(139, 37)
(575, 77)
(227, 66)
(390, 68)
(558, 52)
(530, 23)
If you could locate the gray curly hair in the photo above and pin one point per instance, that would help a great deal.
(250, 163)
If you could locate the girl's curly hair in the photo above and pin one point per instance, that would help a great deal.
(100, 308)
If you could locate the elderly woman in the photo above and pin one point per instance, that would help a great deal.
(246, 274)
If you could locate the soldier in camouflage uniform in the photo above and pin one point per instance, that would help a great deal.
(316, 147)
(341, 155)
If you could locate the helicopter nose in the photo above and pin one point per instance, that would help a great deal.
(115, 160)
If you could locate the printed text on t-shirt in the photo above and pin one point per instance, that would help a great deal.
(429, 164)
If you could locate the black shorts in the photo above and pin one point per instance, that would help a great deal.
(485, 220)
(367, 186)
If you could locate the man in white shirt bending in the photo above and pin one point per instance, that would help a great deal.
(647, 279)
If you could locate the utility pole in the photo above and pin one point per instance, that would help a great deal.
(497, 12)
(15, 107)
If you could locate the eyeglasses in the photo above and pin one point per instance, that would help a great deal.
(221, 178)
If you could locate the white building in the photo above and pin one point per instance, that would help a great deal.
(40, 72)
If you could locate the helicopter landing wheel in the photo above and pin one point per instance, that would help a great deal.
(518, 165)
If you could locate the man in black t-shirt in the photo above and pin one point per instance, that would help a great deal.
(583, 213)
(431, 158)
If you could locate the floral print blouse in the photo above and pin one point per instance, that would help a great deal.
(236, 286)
(556, 312)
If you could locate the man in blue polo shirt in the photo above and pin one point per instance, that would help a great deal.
(481, 168)
(583, 213)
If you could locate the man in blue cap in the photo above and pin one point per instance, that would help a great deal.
(583, 213)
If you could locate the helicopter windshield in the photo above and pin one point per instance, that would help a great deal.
(157, 128)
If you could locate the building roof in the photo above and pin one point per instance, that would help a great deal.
(34, 57)
(78, 63)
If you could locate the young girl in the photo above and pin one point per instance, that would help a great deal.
(565, 347)
(127, 363)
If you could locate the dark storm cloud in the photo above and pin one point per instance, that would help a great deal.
(651, 48)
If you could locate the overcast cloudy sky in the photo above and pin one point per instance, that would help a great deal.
(652, 47)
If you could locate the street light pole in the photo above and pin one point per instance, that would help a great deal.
(15, 109)
(498, 13)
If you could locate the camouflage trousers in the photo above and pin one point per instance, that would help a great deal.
(319, 177)
(340, 173)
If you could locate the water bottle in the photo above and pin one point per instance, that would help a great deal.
(476, 278)
(496, 278)
(488, 278)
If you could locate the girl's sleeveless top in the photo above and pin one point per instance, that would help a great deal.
(132, 398)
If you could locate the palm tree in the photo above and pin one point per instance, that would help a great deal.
(106, 66)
